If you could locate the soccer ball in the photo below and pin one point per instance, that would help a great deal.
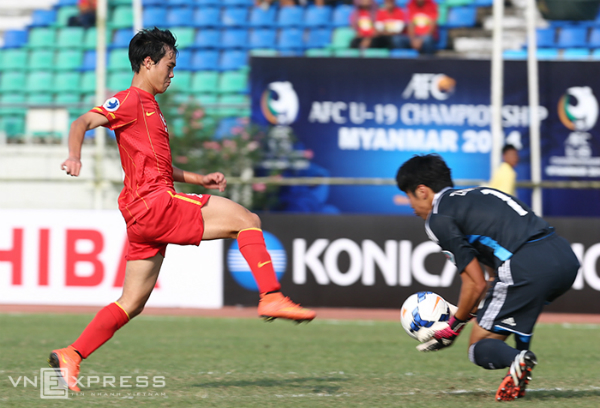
(424, 311)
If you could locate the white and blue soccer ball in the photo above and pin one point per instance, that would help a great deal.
(423, 313)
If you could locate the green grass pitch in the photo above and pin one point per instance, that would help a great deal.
(209, 362)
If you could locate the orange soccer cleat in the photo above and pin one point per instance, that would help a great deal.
(66, 359)
(275, 305)
(518, 376)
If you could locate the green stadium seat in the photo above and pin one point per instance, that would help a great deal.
(204, 82)
(14, 59)
(67, 99)
(12, 81)
(346, 52)
(11, 99)
(118, 60)
(13, 126)
(442, 14)
(118, 81)
(208, 102)
(89, 99)
(342, 37)
(41, 60)
(122, 17)
(88, 82)
(318, 52)
(70, 37)
(119, 3)
(41, 38)
(39, 99)
(457, 3)
(232, 105)
(68, 60)
(181, 81)
(68, 82)
(263, 52)
(184, 35)
(376, 53)
(64, 14)
(39, 81)
(233, 82)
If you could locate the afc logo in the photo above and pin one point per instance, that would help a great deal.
(421, 86)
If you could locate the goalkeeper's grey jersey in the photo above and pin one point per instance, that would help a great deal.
(482, 223)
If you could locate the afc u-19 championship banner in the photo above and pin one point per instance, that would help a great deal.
(363, 117)
(76, 257)
(378, 261)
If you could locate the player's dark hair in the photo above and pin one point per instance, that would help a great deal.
(508, 147)
(429, 169)
(150, 42)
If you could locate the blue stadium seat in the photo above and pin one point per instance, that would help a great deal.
(89, 61)
(122, 38)
(178, 17)
(207, 2)
(184, 60)
(234, 38)
(234, 17)
(205, 60)
(180, 3)
(15, 38)
(594, 41)
(341, 15)
(260, 17)
(262, 38)
(576, 54)
(150, 3)
(291, 38)
(207, 38)
(461, 17)
(483, 3)
(569, 37)
(318, 38)
(596, 54)
(154, 16)
(42, 18)
(245, 3)
(290, 17)
(547, 54)
(62, 3)
(546, 37)
(404, 53)
(317, 16)
(233, 60)
(291, 53)
(442, 42)
(515, 54)
(207, 17)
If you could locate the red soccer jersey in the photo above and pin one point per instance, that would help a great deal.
(392, 22)
(143, 139)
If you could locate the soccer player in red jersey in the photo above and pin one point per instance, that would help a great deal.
(156, 215)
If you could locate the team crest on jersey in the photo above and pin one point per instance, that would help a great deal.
(112, 104)
(450, 256)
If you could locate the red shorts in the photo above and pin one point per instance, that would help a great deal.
(173, 218)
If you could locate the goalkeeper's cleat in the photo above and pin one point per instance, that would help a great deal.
(66, 361)
(275, 305)
(518, 376)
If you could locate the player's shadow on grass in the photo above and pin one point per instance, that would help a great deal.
(542, 395)
(317, 385)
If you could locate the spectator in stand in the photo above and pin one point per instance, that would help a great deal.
(390, 25)
(505, 176)
(363, 21)
(87, 14)
(422, 25)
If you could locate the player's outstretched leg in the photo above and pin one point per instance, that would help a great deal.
(275, 305)
(66, 363)
(518, 376)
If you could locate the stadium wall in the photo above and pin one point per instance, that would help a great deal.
(76, 257)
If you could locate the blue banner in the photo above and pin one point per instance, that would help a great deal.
(365, 117)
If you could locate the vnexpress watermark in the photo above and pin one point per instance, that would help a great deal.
(52, 384)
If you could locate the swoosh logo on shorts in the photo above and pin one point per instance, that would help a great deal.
(261, 264)
(150, 113)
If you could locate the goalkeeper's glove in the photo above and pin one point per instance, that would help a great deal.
(444, 337)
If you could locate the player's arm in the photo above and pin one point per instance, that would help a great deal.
(472, 289)
(82, 124)
(211, 181)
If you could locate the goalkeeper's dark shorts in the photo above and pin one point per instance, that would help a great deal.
(539, 272)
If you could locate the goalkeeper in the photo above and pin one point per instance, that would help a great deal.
(532, 265)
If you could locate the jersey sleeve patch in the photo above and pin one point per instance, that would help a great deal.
(111, 104)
